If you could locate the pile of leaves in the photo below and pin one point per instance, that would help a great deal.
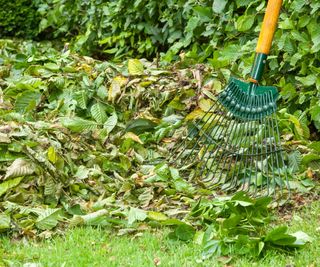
(83, 142)
(221, 32)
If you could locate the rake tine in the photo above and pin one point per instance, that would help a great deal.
(221, 154)
(276, 134)
(226, 157)
(276, 156)
(251, 165)
(275, 144)
(199, 135)
(265, 140)
(257, 150)
(266, 157)
(252, 133)
(217, 123)
(272, 151)
(218, 107)
(190, 134)
(208, 144)
(234, 181)
(211, 152)
(231, 133)
(261, 151)
(283, 164)
(220, 118)
(246, 143)
(246, 156)
(228, 154)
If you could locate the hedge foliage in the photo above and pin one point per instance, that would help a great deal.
(19, 18)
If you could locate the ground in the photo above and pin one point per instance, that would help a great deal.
(99, 247)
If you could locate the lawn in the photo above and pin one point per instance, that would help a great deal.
(99, 247)
(145, 134)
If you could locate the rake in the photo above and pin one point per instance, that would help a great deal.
(236, 144)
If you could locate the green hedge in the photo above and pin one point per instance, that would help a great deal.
(19, 18)
(142, 27)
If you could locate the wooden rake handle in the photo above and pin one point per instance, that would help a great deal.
(269, 26)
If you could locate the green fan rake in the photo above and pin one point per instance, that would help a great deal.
(236, 144)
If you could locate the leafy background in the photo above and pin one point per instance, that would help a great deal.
(220, 32)
(78, 133)
(80, 140)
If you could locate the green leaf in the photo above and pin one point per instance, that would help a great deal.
(232, 221)
(157, 216)
(245, 22)
(288, 91)
(27, 101)
(315, 146)
(115, 88)
(135, 67)
(184, 232)
(307, 159)
(82, 172)
(94, 218)
(278, 236)
(205, 104)
(198, 238)
(241, 3)
(212, 248)
(163, 172)
(98, 113)
(52, 155)
(136, 215)
(20, 167)
(286, 24)
(193, 23)
(48, 219)
(301, 238)
(295, 160)
(315, 113)
(307, 80)
(111, 122)
(313, 29)
(139, 126)
(299, 126)
(263, 202)
(52, 66)
(261, 246)
(7, 185)
(77, 124)
(219, 5)
(4, 222)
(172, 222)
(50, 187)
(242, 199)
(81, 99)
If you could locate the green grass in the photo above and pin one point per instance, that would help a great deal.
(97, 247)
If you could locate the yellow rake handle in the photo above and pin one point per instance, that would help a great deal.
(269, 26)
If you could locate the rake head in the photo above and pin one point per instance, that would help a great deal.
(236, 144)
(249, 101)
